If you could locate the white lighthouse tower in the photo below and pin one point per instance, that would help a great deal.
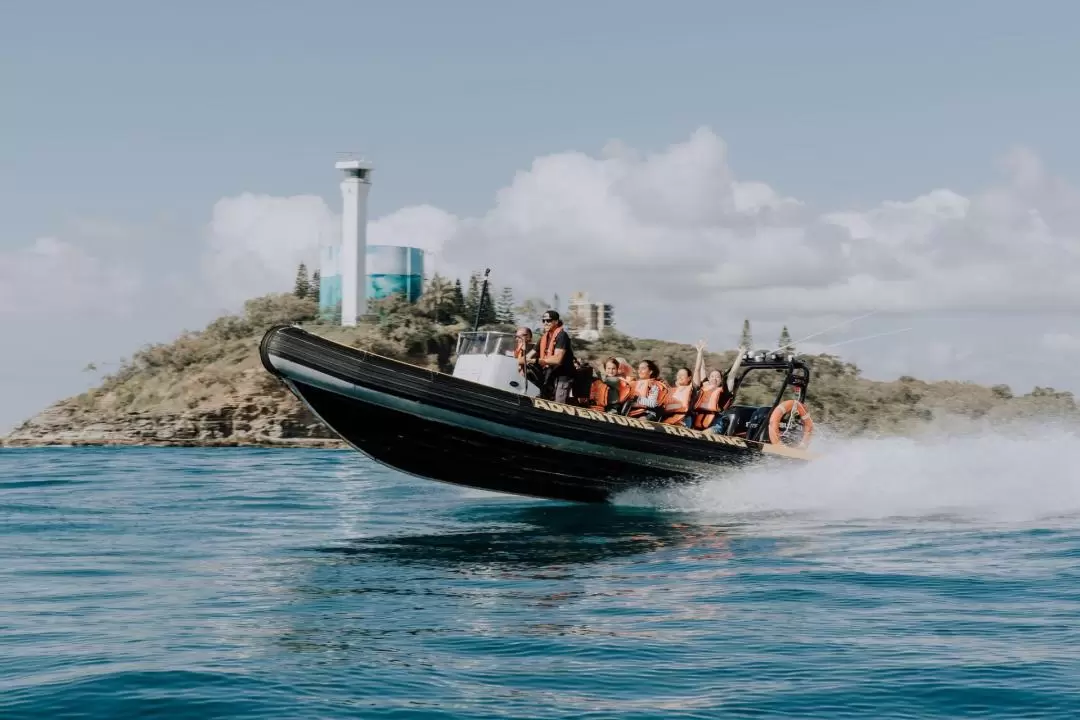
(354, 194)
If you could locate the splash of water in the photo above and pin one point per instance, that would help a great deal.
(1016, 475)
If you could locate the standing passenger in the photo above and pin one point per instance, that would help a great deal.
(556, 359)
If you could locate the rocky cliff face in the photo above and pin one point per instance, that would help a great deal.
(273, 422)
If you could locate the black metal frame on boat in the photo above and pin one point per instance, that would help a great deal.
(797, 374)
(446, 428)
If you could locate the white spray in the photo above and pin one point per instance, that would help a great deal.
(1019, 474)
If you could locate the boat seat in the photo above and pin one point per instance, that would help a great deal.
(743, 420)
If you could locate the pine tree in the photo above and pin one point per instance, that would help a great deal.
(504, 307)
(303, 286)
(488, 312)
(785, 341)
(747, 340)
(437, 300)
(472, 297)
(457, 300)
(316, 283)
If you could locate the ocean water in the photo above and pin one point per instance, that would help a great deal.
(891, 579)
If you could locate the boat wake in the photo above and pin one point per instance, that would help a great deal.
(1012, 476)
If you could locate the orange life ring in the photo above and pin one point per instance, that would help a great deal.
(784, 408)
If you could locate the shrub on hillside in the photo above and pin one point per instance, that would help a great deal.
(278, 309)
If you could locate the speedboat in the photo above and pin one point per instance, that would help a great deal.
(485, 426)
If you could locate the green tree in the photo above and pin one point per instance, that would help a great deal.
(437, 300)
(488, 313)
(457, 300)
(472, 296)
(785, 340)
(303, 285)
(315, 285)
(504, 307)
(747, 339)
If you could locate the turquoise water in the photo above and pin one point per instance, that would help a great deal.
(892, 580)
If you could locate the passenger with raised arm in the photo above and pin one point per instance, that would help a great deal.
(714, 394)
(650, 392)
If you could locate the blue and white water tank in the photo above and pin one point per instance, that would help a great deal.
(390, 269)
(395, 269)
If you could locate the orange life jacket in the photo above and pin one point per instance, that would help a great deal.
(642, 388)
(711, 401)
(600, 395)
(677, 404)
(547, 341)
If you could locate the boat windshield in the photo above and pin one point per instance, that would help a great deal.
(486, 343)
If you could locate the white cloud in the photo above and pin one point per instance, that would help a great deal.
(675, 238)
(51, 276)
(254, 243)
(678, 228)
(420, 226)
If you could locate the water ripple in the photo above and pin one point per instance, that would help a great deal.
(314, 584)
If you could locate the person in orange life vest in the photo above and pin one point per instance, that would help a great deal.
(610, 391)
(524, 347)
(714, 395)
(556, 359)
(679, 398)
(650, 392)
(525, 352)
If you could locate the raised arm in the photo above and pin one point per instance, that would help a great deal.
(699, 365)
(734, 367)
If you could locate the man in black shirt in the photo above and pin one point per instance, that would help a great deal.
(556, 358)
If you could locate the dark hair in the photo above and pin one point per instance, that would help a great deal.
(654, 369)
(611, 360)
(686, 369)
(550, 315)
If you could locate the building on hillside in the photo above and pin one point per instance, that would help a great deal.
(352, 272)
(587, 320)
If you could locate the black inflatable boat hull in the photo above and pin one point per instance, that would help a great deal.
(444, 428)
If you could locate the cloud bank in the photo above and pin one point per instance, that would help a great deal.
(676, 234)
(675, 239)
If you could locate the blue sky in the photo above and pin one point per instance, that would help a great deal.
(142, 115)
(839, 103)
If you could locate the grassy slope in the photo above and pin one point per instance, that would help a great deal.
(219, 366)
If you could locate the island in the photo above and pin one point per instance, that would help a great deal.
(209, 389)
